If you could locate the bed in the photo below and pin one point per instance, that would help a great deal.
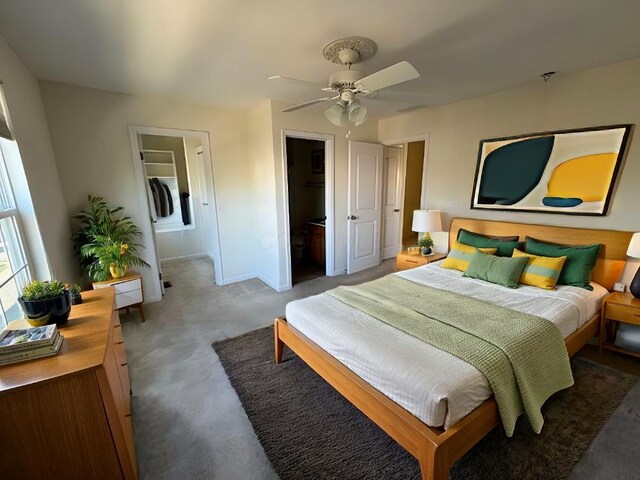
(432, 403)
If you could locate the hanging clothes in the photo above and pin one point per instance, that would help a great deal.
(157, 188)
(154, 199)
(184, 207)
(169, 198)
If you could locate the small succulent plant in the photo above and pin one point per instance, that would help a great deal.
(42, 290)
(425, 241)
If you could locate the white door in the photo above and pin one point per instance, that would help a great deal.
(393, 199)
(365, 206)
(153, 217)
(204, 181)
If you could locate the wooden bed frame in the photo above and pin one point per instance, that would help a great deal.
(437, 449)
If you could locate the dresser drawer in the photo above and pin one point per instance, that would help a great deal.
(623, 313)
(125, 299)
(121, 287)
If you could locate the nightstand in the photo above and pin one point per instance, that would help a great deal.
(616, 308)
(406, 260)
(128, 291)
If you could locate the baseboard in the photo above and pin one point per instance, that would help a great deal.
(151, 299)
(342, 271)
(237, 278)
(193, 256)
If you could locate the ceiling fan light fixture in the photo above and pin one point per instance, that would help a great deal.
(337, 114)
(357, 113)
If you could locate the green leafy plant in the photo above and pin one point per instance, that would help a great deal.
(108, 252)
(74, 289)
(425, 241)
(42, 290)
(101, 233)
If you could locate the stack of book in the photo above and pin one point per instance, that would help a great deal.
(29, 343)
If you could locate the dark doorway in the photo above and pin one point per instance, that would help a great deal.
(306, 181)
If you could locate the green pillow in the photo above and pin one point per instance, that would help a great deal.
(580, 260)
(505, 249)
(504, 271)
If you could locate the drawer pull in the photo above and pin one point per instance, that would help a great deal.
(411, 261)
(127, 414)
(118, 343)
(123, 364)
(117, 326)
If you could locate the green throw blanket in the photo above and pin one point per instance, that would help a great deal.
(523, 356)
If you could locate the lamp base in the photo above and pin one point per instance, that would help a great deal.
(634, 288)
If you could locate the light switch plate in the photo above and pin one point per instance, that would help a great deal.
(619, 287)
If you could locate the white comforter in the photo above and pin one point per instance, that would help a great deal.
(433, 385)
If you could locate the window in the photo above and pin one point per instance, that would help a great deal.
(15, 271)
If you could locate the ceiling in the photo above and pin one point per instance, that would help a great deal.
(220, 52)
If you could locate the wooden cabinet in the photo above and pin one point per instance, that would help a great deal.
(69, 416)
(406, 260)
(618, 308)
(316, 235)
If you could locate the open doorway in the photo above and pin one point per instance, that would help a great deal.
(307, 216)
(175, 182)
(404, 176)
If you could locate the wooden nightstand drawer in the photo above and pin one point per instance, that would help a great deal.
(623, 313)
(405, 262)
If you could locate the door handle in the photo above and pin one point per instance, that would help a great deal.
(352, 217)
(396, 209)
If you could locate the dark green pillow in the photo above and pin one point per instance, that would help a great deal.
(505, 249)
(504, 271)
(580, 260)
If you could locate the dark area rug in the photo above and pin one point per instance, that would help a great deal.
(309, 431)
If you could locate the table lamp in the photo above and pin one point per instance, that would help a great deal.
(634, 251)
(427, 221)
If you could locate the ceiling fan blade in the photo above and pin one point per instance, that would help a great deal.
(399, 97)
(398, 73)
(295, 81)
(307, 104)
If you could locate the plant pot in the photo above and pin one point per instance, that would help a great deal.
(46, 312)
(426, 251)
(77, 300)
(117, 272)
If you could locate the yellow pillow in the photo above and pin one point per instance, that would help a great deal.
(460, 254)
(541, 272)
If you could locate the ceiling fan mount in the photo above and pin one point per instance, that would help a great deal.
(350, 50)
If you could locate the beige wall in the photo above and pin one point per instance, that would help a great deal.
(600, 96)
(412, 188)
(47, 216)
(89, 130)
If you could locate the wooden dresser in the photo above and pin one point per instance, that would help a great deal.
(69, 416)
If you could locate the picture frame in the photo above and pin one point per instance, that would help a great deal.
(317, 161)
(570, 172)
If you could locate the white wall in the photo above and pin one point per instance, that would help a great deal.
(600, 96)
(89, 130)
(46, 216)
(313, 120)
(263, 199)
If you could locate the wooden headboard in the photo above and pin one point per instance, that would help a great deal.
(611, 259)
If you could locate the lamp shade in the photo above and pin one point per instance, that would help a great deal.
(634, 246)
(337, 114)
(426, 221)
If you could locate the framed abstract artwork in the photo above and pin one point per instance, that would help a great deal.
(569, 171)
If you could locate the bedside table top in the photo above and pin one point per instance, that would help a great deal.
(625, 299)
(431, 258)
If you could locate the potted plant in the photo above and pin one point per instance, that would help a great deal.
(425, 243)
(46, 303)
(74, 292)
(112, 257)
(105, 241)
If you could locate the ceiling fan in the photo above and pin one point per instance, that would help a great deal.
(350, 85)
